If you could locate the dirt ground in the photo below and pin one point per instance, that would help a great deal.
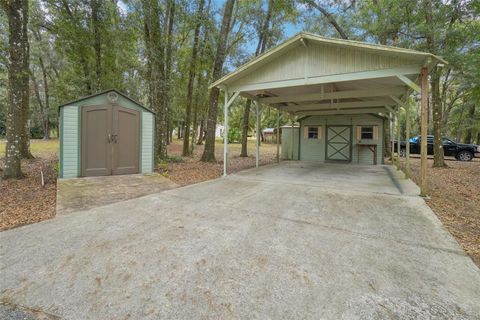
(190, 170)
(455, 198)
(25, 201)
(454, 190)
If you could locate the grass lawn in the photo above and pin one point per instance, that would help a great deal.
(39, 148)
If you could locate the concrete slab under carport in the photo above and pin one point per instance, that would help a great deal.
(250, 245)
(337, 176)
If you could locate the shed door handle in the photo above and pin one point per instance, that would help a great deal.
(109, 138)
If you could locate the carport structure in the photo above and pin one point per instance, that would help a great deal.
(313, 75)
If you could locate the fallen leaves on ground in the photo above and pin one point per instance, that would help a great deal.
(191, 170)
(455, 198)
(25, 201)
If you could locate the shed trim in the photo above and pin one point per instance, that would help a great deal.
(101, 93)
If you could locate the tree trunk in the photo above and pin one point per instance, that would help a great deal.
(46, 114)
(36, 89)
(438, 153)
(195, 118)
(201, 134)
(191, 79)
(24, 85)
(97, 43)
(209, 151)
(387, 139)
(245, 127)
(331, 19)
(156, 75)
(261, 46)
(168, 66)
(471, 116)
(16, 122)
(438, 156)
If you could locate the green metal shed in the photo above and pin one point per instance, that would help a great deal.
(107, 133)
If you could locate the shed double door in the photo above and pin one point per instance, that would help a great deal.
(110, 140)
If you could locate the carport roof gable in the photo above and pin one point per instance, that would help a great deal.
(304, 39)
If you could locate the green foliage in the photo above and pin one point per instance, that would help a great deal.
(63, 35)
(234, 135)
(56, 168)
(174, 159)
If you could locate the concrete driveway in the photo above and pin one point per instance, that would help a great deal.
(292, 241)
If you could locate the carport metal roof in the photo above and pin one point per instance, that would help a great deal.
(314, 75)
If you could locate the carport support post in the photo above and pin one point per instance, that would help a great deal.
(423, 127)
(398, 138)
(278, 136)
(407, 139)
(392, 149)
(225, 133)
(257, 141)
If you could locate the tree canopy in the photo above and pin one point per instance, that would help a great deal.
(165, 53)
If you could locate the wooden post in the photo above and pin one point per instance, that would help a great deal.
(257, 140)
(293, 139)
(225, 133)
(423, 127)
(390, 118)
(278, 136)
(407, 139)
(399, 164)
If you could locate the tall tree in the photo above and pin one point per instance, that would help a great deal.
(156, 72)
(435, 74)
(18, 94)
(97, 41)
(171, 9)
(209, 150)
(261, 46)
(192, 70)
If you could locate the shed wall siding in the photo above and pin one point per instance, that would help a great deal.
(70, 142)
(314, 149)
(321, 60)
(147, 142)
(288, 143)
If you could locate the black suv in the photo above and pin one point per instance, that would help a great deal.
(461, 151)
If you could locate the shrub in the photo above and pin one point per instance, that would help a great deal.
(234, 135)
